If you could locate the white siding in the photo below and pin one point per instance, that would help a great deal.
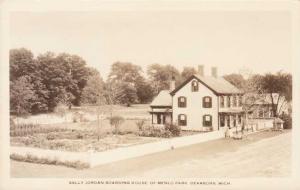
(194, 109)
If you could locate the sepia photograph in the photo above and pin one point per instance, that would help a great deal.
(168, 95)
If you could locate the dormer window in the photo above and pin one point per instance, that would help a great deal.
(195, 86)
(181, 102)
(206, 102)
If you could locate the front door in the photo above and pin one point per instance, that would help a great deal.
(158, 119)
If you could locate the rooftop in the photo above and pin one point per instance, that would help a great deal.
(217, 84)
(162, 99)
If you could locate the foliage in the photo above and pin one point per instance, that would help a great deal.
(236, 79)
(126, 84)
(140, 124)
(116, 121)
(280, 84)
(161, 75)
(187, 72)
(30, 129)
(173, 128)
(287, 119)
(21, 95)
(45, 81)
(93, 92)
(124, 93)
(34, 159)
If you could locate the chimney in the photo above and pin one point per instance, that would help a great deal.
(172, 84)
(214, 72)
(201, 70)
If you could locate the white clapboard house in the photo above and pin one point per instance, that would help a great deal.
(200, 103)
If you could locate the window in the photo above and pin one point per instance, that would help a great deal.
(228, 101)
(222, 101)
(181, 102)
(234, 101)
(228, 121)
(195, 86)
(207, 120)
(222, 120)
(234, 121)
(240, 100)
(240, 119)
(182, 120)
(260, 113)
(206, 102)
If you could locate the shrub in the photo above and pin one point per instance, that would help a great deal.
(287, 121)
(116, 121)
(140, 124)
(173, 128)
(35, 159)
(79, 136)
(50, 137)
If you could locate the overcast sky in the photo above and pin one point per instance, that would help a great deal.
(232, 41)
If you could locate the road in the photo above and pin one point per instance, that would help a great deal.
(264, 154)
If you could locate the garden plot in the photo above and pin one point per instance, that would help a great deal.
(78, 140)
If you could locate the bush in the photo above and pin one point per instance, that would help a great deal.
(116, 121)
(287, 121)
(174, 129)
(140, 124)
(50, 137)
(34, 159)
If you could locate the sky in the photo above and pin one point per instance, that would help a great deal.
(233, 41)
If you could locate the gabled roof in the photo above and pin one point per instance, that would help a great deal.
(162, 99)
(216, 84)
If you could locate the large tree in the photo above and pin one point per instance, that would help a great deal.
(187, 72)
(22, 95)
(279, 83)
(93, 92)
(127, 81)
(161, 75)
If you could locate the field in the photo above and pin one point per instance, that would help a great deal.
(263, 154)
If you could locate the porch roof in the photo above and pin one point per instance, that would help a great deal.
(161, 110)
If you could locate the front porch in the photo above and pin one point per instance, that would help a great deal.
(161, 115)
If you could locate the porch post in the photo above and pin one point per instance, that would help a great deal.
(152, 115)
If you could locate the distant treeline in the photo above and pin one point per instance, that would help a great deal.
(39, 83)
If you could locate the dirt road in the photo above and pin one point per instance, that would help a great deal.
(264, 154)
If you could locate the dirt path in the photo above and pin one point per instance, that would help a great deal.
(265, 154)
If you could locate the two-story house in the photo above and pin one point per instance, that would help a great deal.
(200, 103)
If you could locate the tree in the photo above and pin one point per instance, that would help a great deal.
(21, 95)
(124, 93)
(161, 75)
(93, 92)
(280, 84)
(145, 92)
(187, 72)
(127, 84)
(236, 79)
(21, 62)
